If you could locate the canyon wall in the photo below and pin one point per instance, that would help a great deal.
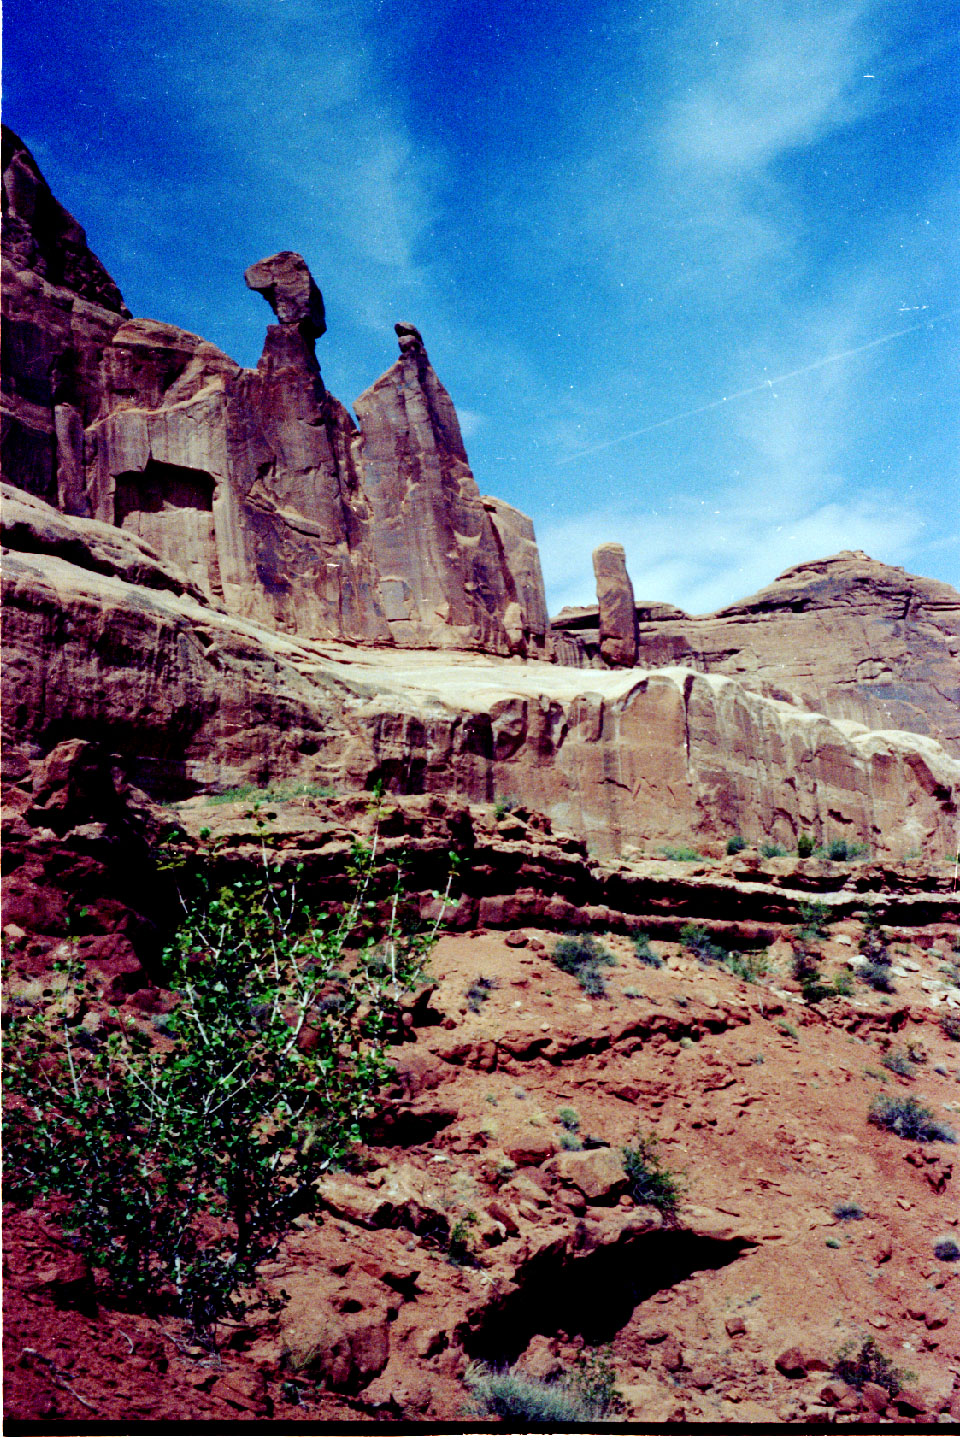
(221, 576)
(104, 641)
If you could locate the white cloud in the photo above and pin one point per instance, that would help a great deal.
(703, 556)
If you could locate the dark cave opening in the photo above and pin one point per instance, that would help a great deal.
(593, 1295)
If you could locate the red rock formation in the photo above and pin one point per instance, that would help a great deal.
(442, 572)
(192, 697)
(251, 482)
(617, 619)
(847, 636)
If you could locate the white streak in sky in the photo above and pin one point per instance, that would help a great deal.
(755, 389)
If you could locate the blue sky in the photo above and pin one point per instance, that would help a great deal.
(602, 216)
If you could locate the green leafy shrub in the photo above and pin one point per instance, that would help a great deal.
(682, 852)
(701, 944)
(748, 967)
(843, 983)
(814, 918)
(873, 943)
(460, 1245)
(651, 1183)
(858, 1365)
(643, 952)
(182, 1164)
(569, 1118)
(272, 794)
(946, 1248)
(772, 851)
(588, 1393)
(844, 849)
(805, 846)
(909, 1118)
(806, 971)
(502, 807)
(582, 956)
(735, 844)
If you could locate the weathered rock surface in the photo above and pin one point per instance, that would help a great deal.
(847, 636)
(617, 618)
(442, 572)
(285, 282)
(192, 697)
(256, 484)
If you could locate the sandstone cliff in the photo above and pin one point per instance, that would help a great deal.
(257, 484)
(846, 635)
(221, 575)
(104, 640)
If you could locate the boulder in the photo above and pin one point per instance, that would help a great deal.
(598, 1174)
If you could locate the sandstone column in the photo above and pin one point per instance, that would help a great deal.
(618, 616)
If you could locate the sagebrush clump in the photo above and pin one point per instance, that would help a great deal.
(582, 956)
(909, 1118)
(576, 1397)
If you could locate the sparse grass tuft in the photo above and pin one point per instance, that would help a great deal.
(772, 851)
(847, 1210)
(909, 1118)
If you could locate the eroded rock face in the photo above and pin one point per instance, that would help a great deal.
(847, 636)
(617, 618)
(254, 483)
(442, 573)
(192, 697)
(285, 282)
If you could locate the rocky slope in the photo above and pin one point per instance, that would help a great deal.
(511, 1104)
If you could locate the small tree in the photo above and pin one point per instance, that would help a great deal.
(183, 1161)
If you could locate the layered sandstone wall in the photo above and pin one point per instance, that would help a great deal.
(103, 641)
(256, 483)
(846, 635)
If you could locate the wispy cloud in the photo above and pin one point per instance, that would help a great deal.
(702, 555)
